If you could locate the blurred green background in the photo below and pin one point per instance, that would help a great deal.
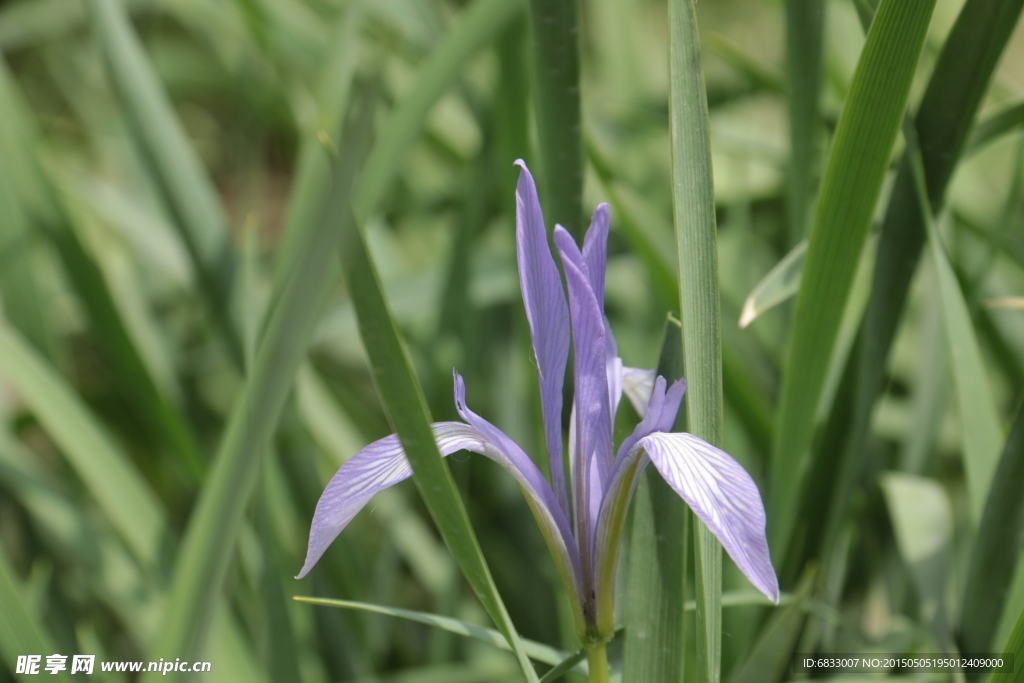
(151, 162)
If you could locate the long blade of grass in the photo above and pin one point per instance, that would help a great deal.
(556, 86)
(781, 282)
(805, 21)
(477, 26)
(943, 121)
(995, 126)
(1014, 645)
(852, 182)
(121, 493)
(43, 207)
(20, 632)
(406, 407)
(189, 193)
(993, 560)
(655, 647)
(537, 651)
(215, 522)
(773, 651)
(693, 201)
(979, 416)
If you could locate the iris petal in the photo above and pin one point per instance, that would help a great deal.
(548, 316)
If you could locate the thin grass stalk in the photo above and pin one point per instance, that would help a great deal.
(556, 71)
(694, 212)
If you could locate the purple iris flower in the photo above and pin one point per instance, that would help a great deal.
(582, 530)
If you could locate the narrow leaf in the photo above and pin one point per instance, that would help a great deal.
(217, 518)
(556, 85)
(852, 182)
(405, 405)
(993, 559)
(1015, 646)
(693, 202)
(979, 417)
(988, 130)
(535, 650)
(779, 284)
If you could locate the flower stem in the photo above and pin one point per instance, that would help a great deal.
(597, 660)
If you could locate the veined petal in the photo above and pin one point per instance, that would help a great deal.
(373, 469)
(659, 414)
(507, 453)
(548, 316)
(593, 412)
(723, 495)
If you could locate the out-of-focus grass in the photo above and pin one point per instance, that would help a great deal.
(160, 160)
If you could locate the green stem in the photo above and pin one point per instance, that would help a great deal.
(597, 660)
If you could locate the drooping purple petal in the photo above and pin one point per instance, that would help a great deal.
(593, 412)
(373, 469)
(548, 316)
(506, 452)
(595, 251)
(723, 496)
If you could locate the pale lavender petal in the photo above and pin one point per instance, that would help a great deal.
(637, 385)
(595, 251)
(548, 316)
(544, 504)
(659, 414)
(723, 496)
(373, 469)
(593, 413)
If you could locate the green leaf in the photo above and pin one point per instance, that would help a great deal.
(477, 26)
(403, 401)
(217, 517)
(781, 282)
(993, 560)
(773, 651)
(656, 584)
(1014, 645)
(979, 416)
(805, 23)
(922, 520)
(120, 491)
(556, 87)
(986, 131)
(188, 191)
(852, 182)
(536, 651)
(20, 632)
(693, 202)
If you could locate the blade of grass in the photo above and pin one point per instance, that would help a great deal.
(954, 91)
(1014, 645)
(655, 647)
(121, 493)
(403, 400)
(556, 87)
(535, 650)
(852, 182)
(693, 202)
(773, 651)
(44, 208)
(990, 129)
(477, 26)
(20, 632)
(22, 301)
(993, 560)
(805, 23)
(781, 282)
(217, 517)
(979, 417)
(188, 191)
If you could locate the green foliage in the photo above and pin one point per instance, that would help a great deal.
(241, 240)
